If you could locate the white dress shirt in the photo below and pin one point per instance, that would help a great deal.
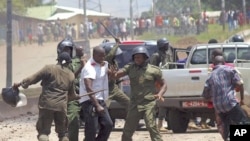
(99, 74)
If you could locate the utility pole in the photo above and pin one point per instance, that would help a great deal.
(131, 19)
(199, 5)
(153, 13)
(244, 10)
(223, 14)
(100, 5)
(9, 44)
(87, 45)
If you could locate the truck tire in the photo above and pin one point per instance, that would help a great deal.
(178, 121)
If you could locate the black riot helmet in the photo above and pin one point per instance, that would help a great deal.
(237, 38)
(108, 46)
(61, 47)
(161, 43)
(64, 58)
(140, 50)
(13, 97)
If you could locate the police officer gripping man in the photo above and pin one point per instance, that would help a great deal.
(114, 92)
(143, 77)
(78, 62)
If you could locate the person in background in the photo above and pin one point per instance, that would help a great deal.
(143, 78)
(40, 34)
(57, 89)
(163, 55)
(161, 59)
(183, 61)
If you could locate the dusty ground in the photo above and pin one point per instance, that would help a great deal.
(28, 59)
(23, 129)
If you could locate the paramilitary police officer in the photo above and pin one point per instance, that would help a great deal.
(114, 92)
(163, 55)
(143, 78)
(77, 64)
(161, 58)
(57, 89)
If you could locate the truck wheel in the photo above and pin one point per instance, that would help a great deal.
(178, 121)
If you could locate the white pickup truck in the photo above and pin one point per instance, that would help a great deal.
(183, 98)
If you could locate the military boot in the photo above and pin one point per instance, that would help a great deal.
(43, 137)
(160, 126)
(64, 138)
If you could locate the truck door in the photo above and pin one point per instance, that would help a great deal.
(185, 82)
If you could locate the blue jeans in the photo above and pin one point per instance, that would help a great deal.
(235, 116)
(94, 120)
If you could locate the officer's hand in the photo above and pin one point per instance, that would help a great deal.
(112, 71)
(100, 109)
(158, 97)
(16, 85)
(77, 97)
(83, 62)
(117, 40)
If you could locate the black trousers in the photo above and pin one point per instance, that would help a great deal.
(235, 116)
(94, 120)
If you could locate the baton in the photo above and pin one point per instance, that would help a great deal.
(90, 93)
(108, 30)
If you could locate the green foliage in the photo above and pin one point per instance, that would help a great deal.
(214, 31)
(173, 7)
(229, 4)
(19, 6)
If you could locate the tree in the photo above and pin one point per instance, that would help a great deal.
(175, 7)
(19, 6)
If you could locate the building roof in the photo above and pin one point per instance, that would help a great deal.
(81, 11)
(59, 12)
(41, 12)
(62, 16)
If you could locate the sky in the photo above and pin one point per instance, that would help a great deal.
(117, 8)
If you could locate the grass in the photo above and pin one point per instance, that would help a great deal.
(214, 31)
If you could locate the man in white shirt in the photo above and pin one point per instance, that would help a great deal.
(94, 77)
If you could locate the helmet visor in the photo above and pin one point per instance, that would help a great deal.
(22, 100)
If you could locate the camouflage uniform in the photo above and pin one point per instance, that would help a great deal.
(142, 100)
(160, 58)
(73, 106)
(115, 93)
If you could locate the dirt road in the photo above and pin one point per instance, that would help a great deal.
(30, 58)
(23, 129)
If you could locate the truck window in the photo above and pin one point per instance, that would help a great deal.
(199, 57)
(244, 53)
(229, 54)
(127, 50)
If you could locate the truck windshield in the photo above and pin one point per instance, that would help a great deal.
(127, 51)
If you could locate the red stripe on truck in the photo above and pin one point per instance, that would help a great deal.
(195, 71)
